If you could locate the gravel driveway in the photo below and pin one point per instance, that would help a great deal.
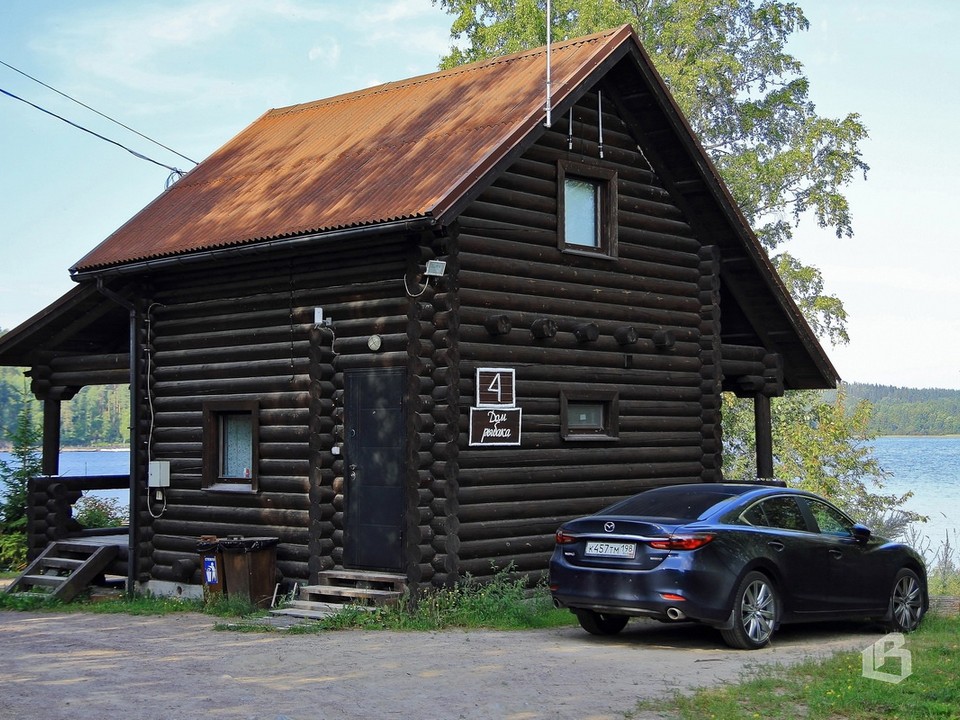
(88, 667)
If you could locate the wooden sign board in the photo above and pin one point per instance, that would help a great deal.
(496, 388)
(495, 426)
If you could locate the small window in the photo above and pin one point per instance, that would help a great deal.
(587, 209)
(230, 445)
(589, 417)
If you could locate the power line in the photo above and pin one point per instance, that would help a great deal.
(107, 117)
(97, 135)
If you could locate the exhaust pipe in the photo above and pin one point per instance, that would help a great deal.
(675, 613)
(557, 604)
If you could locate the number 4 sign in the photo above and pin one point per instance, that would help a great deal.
(496, 388)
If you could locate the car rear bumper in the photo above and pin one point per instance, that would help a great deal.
(675, 590)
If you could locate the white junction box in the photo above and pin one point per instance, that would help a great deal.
(158, 474)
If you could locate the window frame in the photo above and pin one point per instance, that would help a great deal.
(606, 221)
(213, 478)
(610, 426)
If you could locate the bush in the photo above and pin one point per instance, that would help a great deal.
(92, 511)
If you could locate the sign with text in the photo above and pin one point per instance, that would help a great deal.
(496, 388)
(495, 426)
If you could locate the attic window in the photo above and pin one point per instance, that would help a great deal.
(587, 209)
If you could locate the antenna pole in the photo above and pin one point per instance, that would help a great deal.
(549, 120)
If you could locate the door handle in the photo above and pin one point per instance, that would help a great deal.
(778, 546)
(836, 553)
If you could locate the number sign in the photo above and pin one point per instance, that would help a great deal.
(496, 388)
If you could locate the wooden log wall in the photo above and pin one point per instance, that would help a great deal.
(246, 332)
(644, 325)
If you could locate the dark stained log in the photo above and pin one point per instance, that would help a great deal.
(507, 546)
(497, 324)
(543, 328)
(664, 339)
(489, 529)
(614, 307)
(51, 437)
(764, 434)
(626, 335)
(649, 269)
(586, 332)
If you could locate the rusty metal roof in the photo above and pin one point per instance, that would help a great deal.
(407, 149)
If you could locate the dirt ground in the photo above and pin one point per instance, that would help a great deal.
(88, 667)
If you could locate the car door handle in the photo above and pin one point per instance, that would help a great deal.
(778, 546)
(836, 553)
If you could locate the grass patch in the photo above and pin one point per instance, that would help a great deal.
(136, 605)
(501, 603)
(835, 688)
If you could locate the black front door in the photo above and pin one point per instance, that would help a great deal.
(374, 469)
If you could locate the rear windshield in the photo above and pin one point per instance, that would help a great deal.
(681, 503)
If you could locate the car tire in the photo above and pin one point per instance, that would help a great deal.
(906, 602)
(597, 623)
(755, 613)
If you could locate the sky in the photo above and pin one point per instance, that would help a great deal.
(190, 74)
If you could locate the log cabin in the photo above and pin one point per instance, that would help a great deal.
(415, 327)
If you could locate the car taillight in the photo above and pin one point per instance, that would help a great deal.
(563, 537)
(682, 542)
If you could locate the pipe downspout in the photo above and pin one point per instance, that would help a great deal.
(132, 556)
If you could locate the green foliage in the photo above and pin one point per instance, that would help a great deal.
(14, 479)
(726, 64)
(820, 689)
(92, 511)
(502, 602)
(13, 550)
(819, 446)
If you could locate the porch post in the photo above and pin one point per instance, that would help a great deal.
(51, 437)
(763, 426)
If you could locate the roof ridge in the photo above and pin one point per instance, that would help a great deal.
(476, 66)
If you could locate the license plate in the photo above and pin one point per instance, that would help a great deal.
(608, 549)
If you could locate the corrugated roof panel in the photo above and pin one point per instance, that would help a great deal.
(402, 150)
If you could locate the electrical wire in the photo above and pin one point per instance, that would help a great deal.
(94, 110)
(97, 135)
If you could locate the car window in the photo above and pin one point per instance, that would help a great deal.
(680, 503)
(830, 520)
(754, 515)
(779, 512)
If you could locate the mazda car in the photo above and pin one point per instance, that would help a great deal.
(742, 558)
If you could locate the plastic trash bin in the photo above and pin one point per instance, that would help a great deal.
(250, 565)
(211, 566)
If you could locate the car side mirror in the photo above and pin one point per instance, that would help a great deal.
(861, 533)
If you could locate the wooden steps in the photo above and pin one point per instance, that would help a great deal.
(65, 568)
(338, 589)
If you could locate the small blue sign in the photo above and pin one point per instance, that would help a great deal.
(210, 571)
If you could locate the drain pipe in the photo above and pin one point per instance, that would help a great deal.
(132, 556)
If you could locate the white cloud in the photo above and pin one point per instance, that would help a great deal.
(327, 52)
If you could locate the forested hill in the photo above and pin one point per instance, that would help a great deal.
(908, 411)
(98, 416)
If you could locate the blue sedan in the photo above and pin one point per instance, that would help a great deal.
(743, 558)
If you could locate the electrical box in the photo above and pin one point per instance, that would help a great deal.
(158, 474)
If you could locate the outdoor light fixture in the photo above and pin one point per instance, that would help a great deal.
(434, 269)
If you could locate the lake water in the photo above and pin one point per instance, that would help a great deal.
(928, 466)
